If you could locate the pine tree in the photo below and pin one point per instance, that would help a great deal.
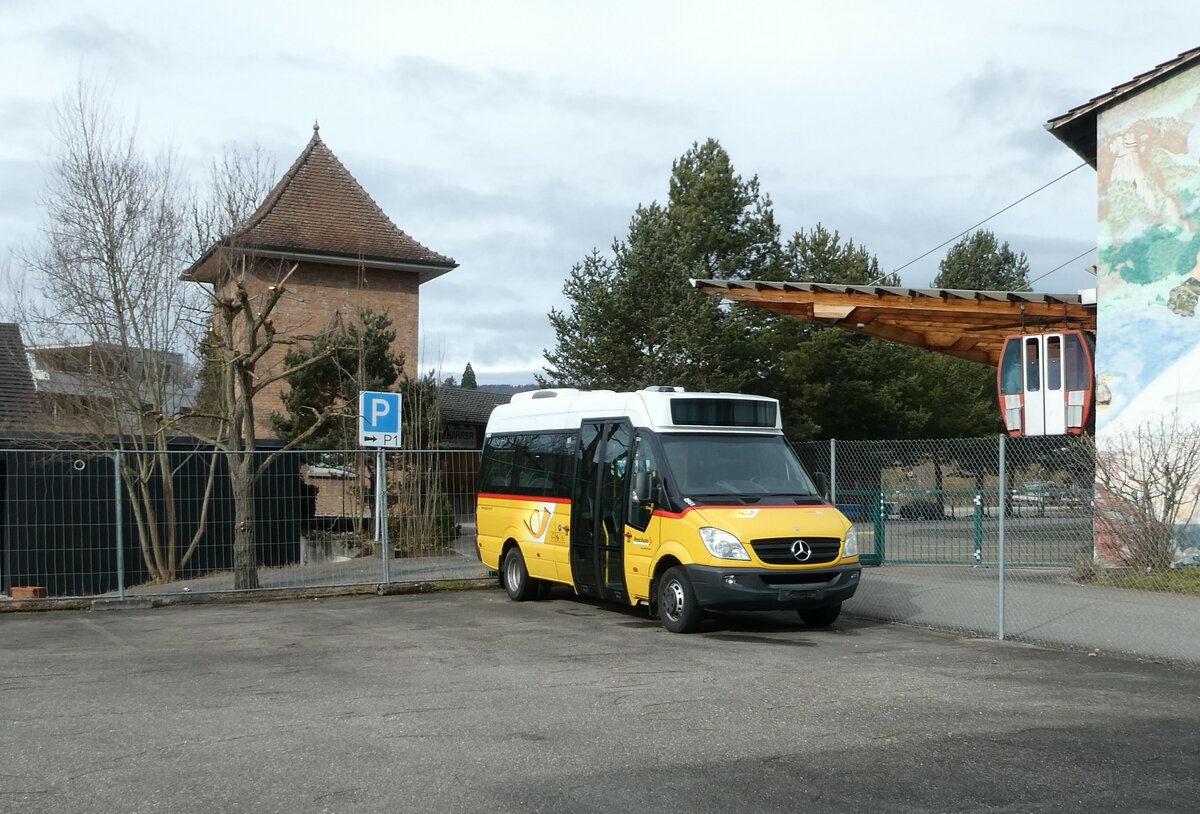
(468, 378)
(355, 359)
(634, 319)
(977, 262)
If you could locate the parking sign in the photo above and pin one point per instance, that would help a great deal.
(379, 419)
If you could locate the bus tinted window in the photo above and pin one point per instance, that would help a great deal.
(745, 465)
(536, 465)
(723, 413)
(496, 467)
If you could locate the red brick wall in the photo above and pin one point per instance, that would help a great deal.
(316, 294)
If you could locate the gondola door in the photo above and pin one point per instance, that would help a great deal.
(1035, 391)
(602, 480)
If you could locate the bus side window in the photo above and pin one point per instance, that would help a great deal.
(497, 465)
(639, 514)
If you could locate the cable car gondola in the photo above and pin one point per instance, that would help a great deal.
(1046, 383)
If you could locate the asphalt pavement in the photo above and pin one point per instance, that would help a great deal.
(469, 702)
(1041, 606)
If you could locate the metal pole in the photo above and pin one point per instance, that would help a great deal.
(833, 470)
(880, 534)
(978, 529)
(1003, 512)
(117, 485)
(381, 525)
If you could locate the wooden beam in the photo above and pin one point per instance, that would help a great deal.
(1010, 308)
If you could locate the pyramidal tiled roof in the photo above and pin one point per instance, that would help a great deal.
(319, 208)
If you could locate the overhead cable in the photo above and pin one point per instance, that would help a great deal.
(1063, 265)
(985, 220)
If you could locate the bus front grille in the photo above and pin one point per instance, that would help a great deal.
(783, 550)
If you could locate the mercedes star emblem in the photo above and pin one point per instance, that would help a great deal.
(801, 550)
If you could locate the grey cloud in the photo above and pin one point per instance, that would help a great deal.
(572, 218)
(1008, 105)
(499, 89)
(90, 37)
(995, 86)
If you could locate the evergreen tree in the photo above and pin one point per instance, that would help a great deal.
(357, 358)
(800, 357)
(820, 256)
(634, 318)
(834, 384)
(978, 262)
(468, 378)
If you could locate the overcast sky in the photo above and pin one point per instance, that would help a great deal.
(516, 136)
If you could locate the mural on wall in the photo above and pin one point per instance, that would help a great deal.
(1148, 279)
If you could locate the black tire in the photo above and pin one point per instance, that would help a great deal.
(820, 617)
(517, 582)
(677, 605)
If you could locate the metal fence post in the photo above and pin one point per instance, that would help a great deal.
(1003, 512)
(117, 486)
(833, 470)
(978, 530)
(880, 534)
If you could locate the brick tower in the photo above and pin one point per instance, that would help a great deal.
(349, 256)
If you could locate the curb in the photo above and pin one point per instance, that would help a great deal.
(263, 595)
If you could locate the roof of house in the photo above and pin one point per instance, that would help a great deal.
(319, 211)
(1077, 127)
(461, 405)
(17, 397)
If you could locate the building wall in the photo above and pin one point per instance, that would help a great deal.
(1148, 278)
(317, 295)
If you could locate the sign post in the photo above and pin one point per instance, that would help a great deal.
(379, 422)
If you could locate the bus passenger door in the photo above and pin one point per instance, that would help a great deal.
(602, 477)
(641, 524)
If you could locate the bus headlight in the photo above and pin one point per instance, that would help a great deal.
(850, 549)
(722, 544)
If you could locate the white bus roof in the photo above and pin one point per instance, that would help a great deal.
(566, 409)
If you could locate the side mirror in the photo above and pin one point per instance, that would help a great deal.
(644, 485)
(823, 484)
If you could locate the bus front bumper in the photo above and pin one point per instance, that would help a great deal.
(763, 589)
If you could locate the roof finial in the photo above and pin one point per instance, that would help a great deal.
(316, 129)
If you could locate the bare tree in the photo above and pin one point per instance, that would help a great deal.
(244, 294)
(424, 517)
(1147, 480)
(107, 314)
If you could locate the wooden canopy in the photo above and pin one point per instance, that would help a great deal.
(967, 324)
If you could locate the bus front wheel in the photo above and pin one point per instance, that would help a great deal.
(820, 617)
(517, 582)
(677, 605)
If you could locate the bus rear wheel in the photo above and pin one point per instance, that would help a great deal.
(677, 605)
(517, 582)
(820, 617)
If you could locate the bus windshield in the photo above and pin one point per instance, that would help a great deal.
(743, 465)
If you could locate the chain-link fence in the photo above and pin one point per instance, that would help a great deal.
(88, 523)
(986, 536)
(994, 536)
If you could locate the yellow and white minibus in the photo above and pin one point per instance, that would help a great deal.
(682, 502)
